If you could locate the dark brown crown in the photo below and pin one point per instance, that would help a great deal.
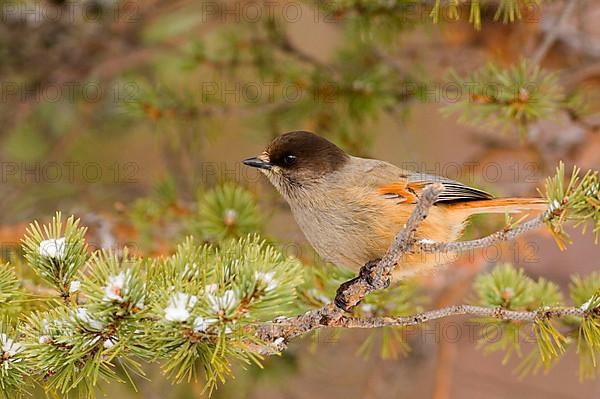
(304, 150)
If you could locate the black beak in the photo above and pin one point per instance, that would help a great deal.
(257, 163)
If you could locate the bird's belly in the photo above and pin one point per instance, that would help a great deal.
(364, 235)
(335, 238)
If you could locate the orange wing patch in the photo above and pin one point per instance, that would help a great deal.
(401, 190)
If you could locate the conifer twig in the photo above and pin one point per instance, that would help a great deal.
(506, 234)
(280, 331)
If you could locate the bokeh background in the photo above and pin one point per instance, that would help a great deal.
(126, 113)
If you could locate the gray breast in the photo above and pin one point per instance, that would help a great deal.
(333, 234)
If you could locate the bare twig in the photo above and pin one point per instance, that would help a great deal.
(499, 236)
(279, 332)
(552, 34)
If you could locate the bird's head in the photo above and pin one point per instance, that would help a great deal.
(298, 159)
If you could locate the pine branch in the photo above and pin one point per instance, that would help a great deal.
(281, 331)
(507, 234)
(566, 203)
(507, 98)
(208, 305)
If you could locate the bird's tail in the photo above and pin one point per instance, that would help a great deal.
(502, 205)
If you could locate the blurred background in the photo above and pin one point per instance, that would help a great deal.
(130, 114)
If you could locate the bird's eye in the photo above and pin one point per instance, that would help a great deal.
(289, 160)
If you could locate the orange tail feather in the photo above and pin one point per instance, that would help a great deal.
(502, 205)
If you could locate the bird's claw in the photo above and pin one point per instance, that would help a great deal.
(340, 295)
(366, 273)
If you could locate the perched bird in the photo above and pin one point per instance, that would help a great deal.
(351, 208)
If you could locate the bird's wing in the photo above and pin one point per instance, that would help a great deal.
(454, 191)
(407, 187)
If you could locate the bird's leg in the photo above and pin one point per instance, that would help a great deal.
(366, 273)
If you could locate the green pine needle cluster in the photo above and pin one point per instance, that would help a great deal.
(13, 362)
(227, 211)
(585, 294)
(77, 345)
(9, 285)
(205, 298)
(376, 19)
(56, 252)
(506, 10)
(509, 288)
(577, 200)
(114, 312)
(501, 98)
(108, 313)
